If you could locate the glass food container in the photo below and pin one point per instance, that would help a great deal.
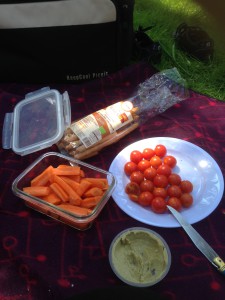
(55, 211)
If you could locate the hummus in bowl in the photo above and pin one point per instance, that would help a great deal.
(139, 257)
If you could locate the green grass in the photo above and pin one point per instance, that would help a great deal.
(166, 16)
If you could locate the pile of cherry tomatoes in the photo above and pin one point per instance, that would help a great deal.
(153, 183)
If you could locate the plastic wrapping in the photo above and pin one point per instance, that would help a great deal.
(87, 136)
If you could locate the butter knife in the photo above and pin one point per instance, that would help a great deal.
(199, 242)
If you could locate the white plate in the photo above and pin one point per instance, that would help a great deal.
(193, 164)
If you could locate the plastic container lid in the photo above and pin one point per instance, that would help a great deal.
(37, 122)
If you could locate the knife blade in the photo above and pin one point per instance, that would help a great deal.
(199, 242)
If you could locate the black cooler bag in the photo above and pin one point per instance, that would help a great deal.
(64, 40)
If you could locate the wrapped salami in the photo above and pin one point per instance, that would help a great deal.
(87, 136)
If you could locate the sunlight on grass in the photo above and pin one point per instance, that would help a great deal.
(165, 16)
(178, 6)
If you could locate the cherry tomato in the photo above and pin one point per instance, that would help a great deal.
(186, 186)
(174, 179)
(160, 150)
(160, 192)
(175, 203)
(130, 167)
(143, 165)
(164, 170)
(133, 197)
(160, 181)
(145, 198)
(146, 185)
(170, 161)
(158, 205)
(152, 182)
(150, 173)
(137, 176)
(155, 161)
(174, 191)
(132, 188)
(186, 200)
(136, 156)
(148, 153)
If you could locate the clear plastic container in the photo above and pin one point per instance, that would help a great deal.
(55, 159)
(37, 122)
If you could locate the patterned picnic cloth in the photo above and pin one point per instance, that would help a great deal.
(41, 258)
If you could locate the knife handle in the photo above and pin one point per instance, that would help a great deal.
(220, 264)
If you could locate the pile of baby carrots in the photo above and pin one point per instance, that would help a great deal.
(68, 188)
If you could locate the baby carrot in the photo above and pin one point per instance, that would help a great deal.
(80, 211)
(74, 198)
(94, 191)
(76, 178)
(101, 183)
(71, 182)
(82, 174)
(37, 191)
(56, 188)
(83, 187)
(67, 170)
(43, 178)
(68, 188)
(52, 198)
(90, 202)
